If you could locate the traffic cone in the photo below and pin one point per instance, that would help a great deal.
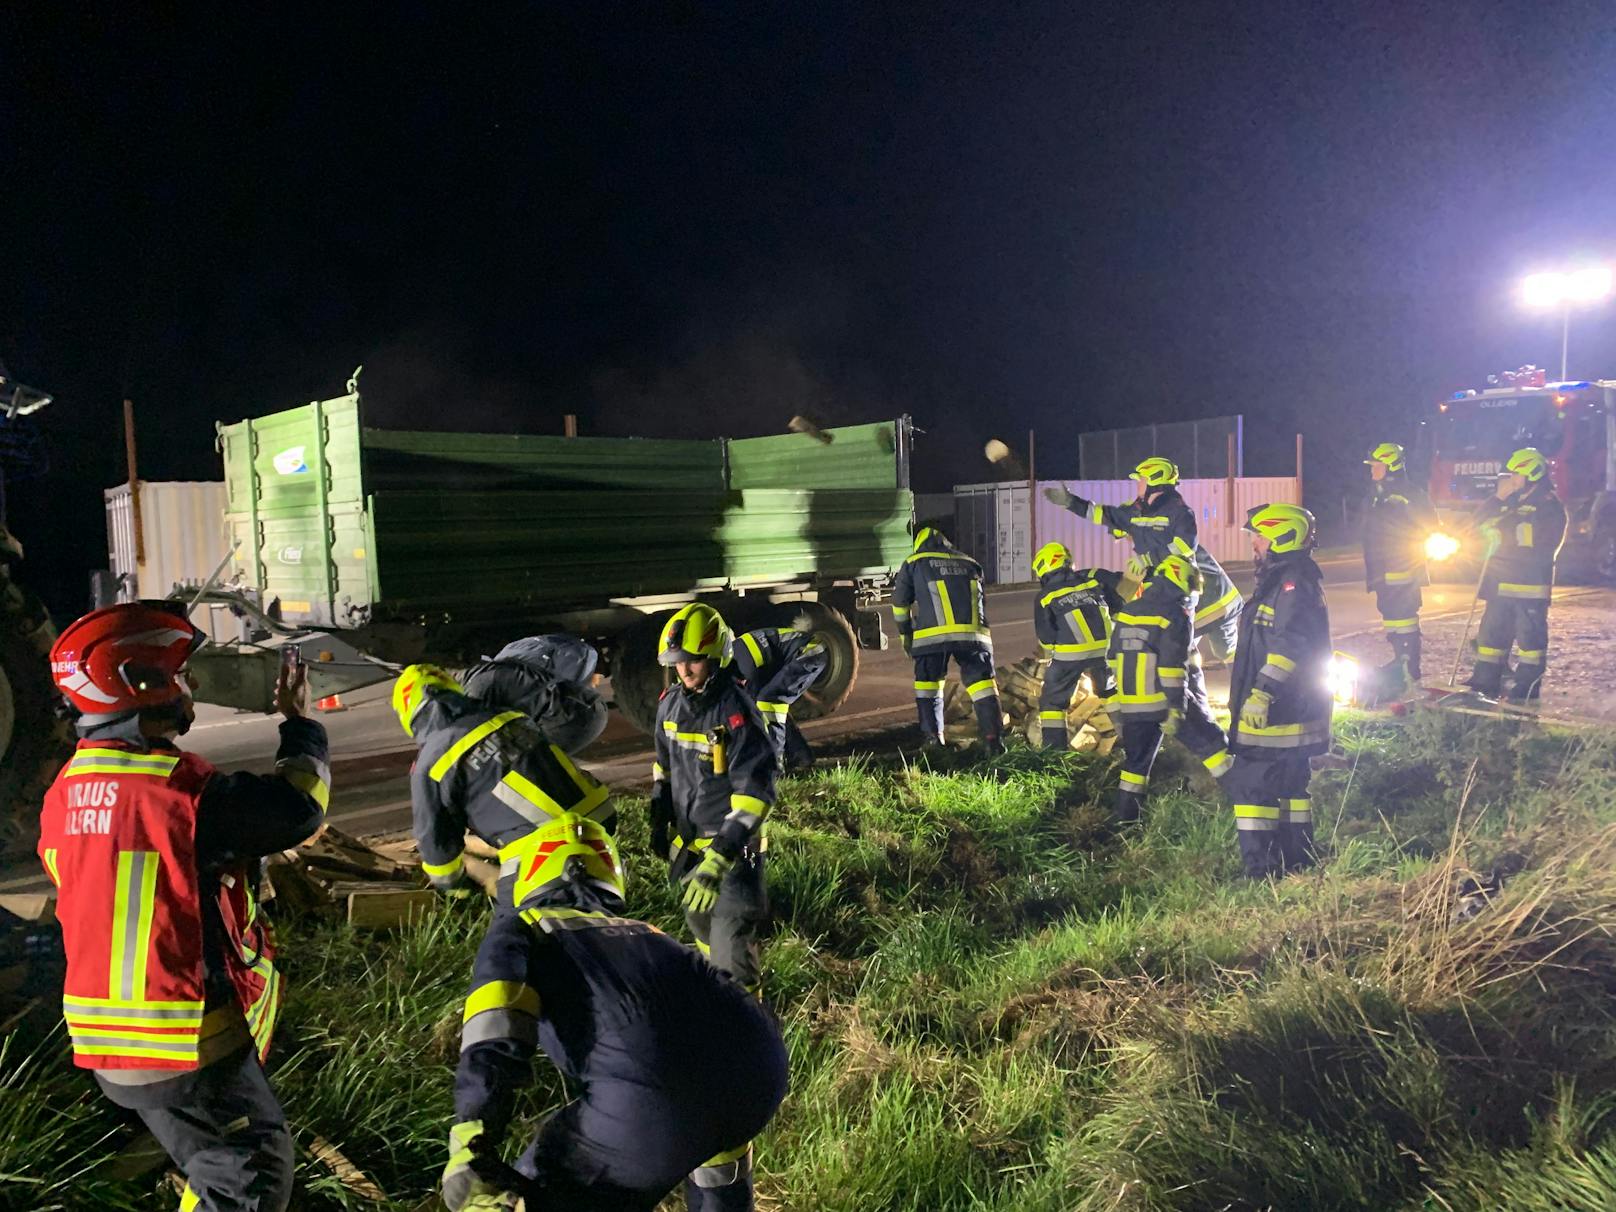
(331, 702)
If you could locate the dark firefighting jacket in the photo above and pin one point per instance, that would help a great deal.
(713, 778)
(670, 1060)
(1527, 529)
(1284, 650)
(1072, 619)
(1150, 643)
(937, 599)
(490, 771)
(1397, 521)
(1164, 525)
(762, 655)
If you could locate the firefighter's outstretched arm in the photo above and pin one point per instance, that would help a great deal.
(1114, 517)
(246, 816)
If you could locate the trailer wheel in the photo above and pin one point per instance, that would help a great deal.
(34, 739)
(637, 679)
(830, 691)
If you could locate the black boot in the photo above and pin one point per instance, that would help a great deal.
(1411, 655)
(1259, 852)
(1128, 805)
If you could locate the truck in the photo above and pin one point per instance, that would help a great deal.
(34, 739)
(369, 548)
(1572, 423)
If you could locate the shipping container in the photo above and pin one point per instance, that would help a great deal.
(183, 532)
(997, 527)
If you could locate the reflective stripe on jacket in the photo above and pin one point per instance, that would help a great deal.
(118, 839)
(1150, 644)
(1072, 617)
(937, 599)
(1528, 529)
(1284, 650)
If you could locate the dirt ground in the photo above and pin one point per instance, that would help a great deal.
(1581, 677)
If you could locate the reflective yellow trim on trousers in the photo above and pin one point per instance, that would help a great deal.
(473, 738)
(981, 690)
(1530, 655)
(1511, 589)
(1397, 578)
(440, 871)
(1130, 779)
(1489, 655)
(1218, 763)
(1400, 626)
(502, 995)
(1258, 812)
(1052, 715)
(1299, 812)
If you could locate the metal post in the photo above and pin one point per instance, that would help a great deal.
(1032, 494)
(134, 484)
(569, 425)
(1228, 488)
(1300, 499)
(1565, 338)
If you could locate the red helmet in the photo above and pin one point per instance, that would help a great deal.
(124, 658)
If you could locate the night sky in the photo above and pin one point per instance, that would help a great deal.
(681, 219)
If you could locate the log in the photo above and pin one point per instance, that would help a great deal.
(295, 888)
(345, 1172)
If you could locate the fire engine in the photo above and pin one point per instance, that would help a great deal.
(1572, 423)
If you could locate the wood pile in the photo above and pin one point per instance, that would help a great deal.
(337, 876)
(1088, 727)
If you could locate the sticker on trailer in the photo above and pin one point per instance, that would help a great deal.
(290, 462)
(290, 555)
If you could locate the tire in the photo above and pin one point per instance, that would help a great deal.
(34, 739)
(637, 679)
(833, 686)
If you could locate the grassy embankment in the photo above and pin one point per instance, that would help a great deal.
(992, 1002)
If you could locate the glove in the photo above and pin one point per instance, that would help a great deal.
(1169, 727)
(1255, 712)
(1492, 538)
(1059, 495)
(661, 838)
(1138, 568)
(464, 1188)
(701, 888)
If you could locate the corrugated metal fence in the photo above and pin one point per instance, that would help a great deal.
(995, 524)
(183, 525)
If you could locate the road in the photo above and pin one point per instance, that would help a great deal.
(371, 755)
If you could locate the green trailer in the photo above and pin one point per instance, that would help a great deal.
(403, 546)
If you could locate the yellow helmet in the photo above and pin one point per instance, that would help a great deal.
(1286, 527)
(1529, 462)
(1157, 472)
(697, 632)
(1389, 453)
(928, 534)
(566, 856)
(1179, 571)
(1050, 557)
(409, 692)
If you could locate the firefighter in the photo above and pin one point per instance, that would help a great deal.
(1523, 526)
(676, 1069)
(937, 602)
(1279, 694)
(486, 769)
(1159, 523)
(171, 992)
(1397, 520)
(712, 786)
(1072, 620)
(551, 679)
(779, 664)
(1150, 648)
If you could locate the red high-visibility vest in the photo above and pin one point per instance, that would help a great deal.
(118, 838)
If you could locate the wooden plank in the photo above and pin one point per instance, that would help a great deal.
(388, 908)
(30, 906)
(348, 1174)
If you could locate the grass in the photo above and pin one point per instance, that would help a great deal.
(994, 1002)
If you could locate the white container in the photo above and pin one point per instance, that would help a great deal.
(183, 529)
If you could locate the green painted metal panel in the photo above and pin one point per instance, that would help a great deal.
(345, 524)
(858, 456)
(397, 459)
